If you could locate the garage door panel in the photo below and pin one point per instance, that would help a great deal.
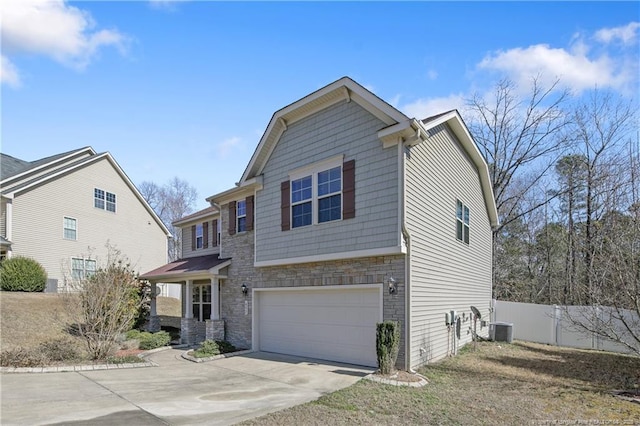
(336, 324)
(329, 315)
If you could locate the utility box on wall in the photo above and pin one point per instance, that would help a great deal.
(501, 332)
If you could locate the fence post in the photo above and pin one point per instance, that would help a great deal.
(557, 317)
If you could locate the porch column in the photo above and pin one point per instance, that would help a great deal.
(154, 320)
(188, 309)
(188, 324)
(215, 299)
(215, 326)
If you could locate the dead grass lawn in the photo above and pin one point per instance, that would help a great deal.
(28, 319)
(521, 383)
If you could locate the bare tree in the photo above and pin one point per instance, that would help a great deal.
(516, 133)
(171, 202)
(520, 138)
(105, 303)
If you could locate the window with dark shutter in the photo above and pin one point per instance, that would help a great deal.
(284, 205)
(249, 203)
(205, 235)
(232, 218)
(193, 237)
(349, 189)
(215, 232)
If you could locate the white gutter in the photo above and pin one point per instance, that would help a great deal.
(407, 266)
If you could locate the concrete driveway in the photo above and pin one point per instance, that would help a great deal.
(178, 392)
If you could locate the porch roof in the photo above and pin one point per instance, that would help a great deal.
(188, 268)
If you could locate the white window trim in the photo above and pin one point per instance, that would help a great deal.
(200, 230)
(65, 228)
(238, 216)
(84, 267)
(313, 170)
(200, 303)
(104, 200)
(468, 225)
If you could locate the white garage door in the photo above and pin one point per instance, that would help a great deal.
(331, 324)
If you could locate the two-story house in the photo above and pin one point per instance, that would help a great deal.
(63, 210)
(348, 213)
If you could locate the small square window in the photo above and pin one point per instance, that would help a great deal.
(104, 200)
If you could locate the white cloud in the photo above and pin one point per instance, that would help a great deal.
(225, 147)
(52, 28)
(165, 5)
(627, 34)
(576, 67)
(8, 73)
(423, 108)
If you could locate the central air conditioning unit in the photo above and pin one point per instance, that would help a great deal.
(501, 332)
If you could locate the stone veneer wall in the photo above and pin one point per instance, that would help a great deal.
(237, 308)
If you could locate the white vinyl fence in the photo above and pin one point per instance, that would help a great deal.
(551, 324)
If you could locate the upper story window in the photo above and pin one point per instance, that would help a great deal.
(82, 268)
(322, 192)
(301, 199)
(199, 236)
(241, 214)
(104, 200)
(462, 222)
(70, 229)
(317, 197)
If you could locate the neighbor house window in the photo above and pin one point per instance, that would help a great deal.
(199, 236)
(201, 302)
(241, 215)
(462, 222)
(70, 229)
(82, 268)
(104, 200)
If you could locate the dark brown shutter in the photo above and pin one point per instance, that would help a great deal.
(284, 205)
(249, 206)
(349, 189)
(232, 218)
(215, 232)
(205, 234)
(193, 237)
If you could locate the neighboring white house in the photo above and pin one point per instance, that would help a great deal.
(63, 210)
(348, 213)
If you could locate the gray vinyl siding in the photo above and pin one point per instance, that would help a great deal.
(446, 274)
(38, 222)
(186, 239)
(347, 129)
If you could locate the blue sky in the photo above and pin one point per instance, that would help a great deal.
(187, 88)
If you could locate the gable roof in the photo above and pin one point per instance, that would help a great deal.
(190, 267)
(12, 168)
(399, 128)
(200, 214)
(50, 168)
(340, 90)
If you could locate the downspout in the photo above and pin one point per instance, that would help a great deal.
(407, 266)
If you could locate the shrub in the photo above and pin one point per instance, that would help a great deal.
(125, 359)
(212, 348)
(63, 349)
(387, 345)
(21, 357)
(109, 302)
(22, 274)
(149, 340)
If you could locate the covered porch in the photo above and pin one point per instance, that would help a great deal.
(200, 278)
